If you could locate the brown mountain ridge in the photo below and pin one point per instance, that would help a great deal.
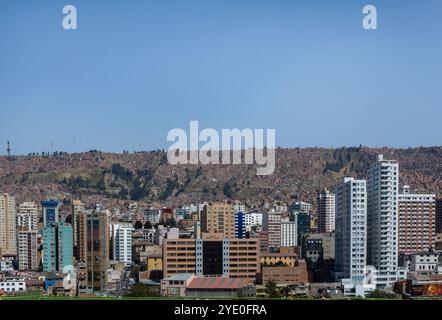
(146, 176)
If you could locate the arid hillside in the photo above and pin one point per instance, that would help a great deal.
(147, 176)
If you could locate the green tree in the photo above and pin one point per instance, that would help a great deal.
(272, 290)
(141, 290)
(379, 294)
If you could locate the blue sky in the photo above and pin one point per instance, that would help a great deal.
(136, 69)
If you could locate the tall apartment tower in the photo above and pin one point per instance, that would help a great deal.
(382, 219)
(121, 242)
(97, 240)
(439, 214)
(8, 234)
(50, 212)
(80, 250)
(57, 247)
(218, 218)
(27, 224)
(77, 208)
(351, 236)
(27, 216)
(27, 249)
(272, 227)
(417, 221)
(326, 211)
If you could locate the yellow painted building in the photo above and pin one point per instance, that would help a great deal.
(154, 262)
(286, 256)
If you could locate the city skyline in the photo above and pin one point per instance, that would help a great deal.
(131, 73)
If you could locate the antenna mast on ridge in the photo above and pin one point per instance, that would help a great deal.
(8, 149)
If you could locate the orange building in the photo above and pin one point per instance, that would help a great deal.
(219, 217)
(213, 255)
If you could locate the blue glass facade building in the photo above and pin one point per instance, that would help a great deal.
(50, 212)
(240, 225)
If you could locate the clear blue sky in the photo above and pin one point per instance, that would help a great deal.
(136, 69)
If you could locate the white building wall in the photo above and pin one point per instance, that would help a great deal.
(122, 242)
(27, 217)
(13, 285)
(326, 211)
(289, 234)
(253, 219)
(382, 189)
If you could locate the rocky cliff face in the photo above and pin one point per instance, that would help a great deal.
(147, 176)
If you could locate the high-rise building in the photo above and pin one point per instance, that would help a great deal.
(439, 214)
(27, 249)
(218, 218)
(289, 233)
(50, 212)
(272, 225)
(212, 255)
(326, 211)
(121, 242)
(80, 250)
(8, 234)
(382, 220)
(77, 207)
(57, 247)
(27, 217)
(240, 225)
(302, 224)
(351, 236)
(417, 222)
(97, 235)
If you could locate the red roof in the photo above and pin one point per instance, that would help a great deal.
(218, 283)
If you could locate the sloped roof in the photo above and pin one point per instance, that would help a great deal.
(218, 283)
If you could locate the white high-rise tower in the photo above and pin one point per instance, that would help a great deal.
(326, 211)
(351, 236)
(382, 224)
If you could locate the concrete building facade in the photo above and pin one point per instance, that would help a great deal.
(8, 233)
(27, 250)
(212, 255)
(326, 211)
(121, 240)
(219, 218)
(27, 216)
(351, 236)
(382, 220)
(417, 222)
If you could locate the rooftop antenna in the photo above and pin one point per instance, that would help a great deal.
(8, 149)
